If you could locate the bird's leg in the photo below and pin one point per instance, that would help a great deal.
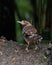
(36, 46)
(27, 47)
(39, 44)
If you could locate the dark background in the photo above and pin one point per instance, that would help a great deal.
(32, 12)
(7, 19)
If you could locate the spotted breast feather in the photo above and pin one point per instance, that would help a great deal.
(29, 32)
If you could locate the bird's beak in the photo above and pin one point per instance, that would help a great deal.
(19, 22)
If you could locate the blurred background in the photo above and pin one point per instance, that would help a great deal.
(37, 12)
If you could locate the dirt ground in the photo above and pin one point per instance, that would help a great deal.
(13, 53)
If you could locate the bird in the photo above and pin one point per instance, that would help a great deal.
(30, 33)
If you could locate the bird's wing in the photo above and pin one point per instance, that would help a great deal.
(30, 31)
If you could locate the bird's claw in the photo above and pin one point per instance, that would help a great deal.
(36, 47)
(27, 49)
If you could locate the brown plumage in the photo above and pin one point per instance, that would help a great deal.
(29, 32)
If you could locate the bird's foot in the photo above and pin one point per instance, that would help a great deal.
(36, 47)
(27, 49)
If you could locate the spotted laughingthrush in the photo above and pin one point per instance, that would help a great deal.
(30, 33)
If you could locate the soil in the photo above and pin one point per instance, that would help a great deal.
(13, 53)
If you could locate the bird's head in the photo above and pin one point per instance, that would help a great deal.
(24, 23)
